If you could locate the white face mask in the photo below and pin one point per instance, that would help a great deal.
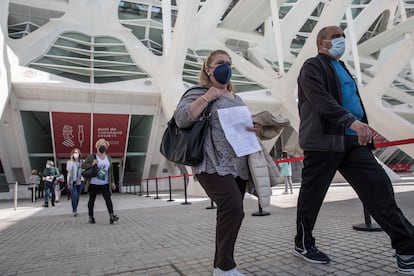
(76, 155)
(48, 166)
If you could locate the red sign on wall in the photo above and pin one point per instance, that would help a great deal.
(113, 128)
(71, 130)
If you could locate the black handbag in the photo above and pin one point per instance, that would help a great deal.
(90, 172)
(185, 145)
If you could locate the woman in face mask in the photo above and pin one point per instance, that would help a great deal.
(75, 180)
(104, 180)
(222, 173)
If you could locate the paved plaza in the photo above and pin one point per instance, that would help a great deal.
(158, 237)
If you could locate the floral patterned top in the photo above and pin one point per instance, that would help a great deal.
(219, 156)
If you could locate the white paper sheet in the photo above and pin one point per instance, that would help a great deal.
(234, 121)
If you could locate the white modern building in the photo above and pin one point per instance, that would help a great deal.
(72, 71)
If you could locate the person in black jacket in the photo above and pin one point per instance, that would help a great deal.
(335, 135)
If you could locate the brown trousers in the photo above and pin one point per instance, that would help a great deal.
(228, 193)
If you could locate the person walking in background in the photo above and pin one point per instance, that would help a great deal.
(103, 182)
(75, 180)
(34, 181)
(286, 172)
(335, 135)
(222, 174)
(50, 173)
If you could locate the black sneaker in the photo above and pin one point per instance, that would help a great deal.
(405, 266)
(312, 255)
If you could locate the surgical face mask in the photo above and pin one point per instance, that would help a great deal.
(48, 166)
(102, 149)
(76, 155)
(222, 73)
(338, 47)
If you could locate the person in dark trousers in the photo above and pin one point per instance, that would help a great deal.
(50, 173)
(222, 174)
(103, 182)
(335, 135)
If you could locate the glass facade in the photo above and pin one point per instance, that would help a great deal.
(37, 131)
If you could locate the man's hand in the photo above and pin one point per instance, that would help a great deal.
(113, 186)
(363, 131)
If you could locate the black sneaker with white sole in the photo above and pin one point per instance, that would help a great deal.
(312, 255)
(405, 266)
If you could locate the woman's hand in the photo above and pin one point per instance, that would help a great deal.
(94, 162)
(113, 186)
(214, 93)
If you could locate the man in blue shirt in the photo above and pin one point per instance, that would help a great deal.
(335, 136)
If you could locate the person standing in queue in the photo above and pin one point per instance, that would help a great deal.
(222, 174)
(34, 180)
(286, 172)
(103, 182)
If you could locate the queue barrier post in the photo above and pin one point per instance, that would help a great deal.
(185, 191)
(211, 205)
(34, 192)
(15, 195)
(169, 188)
(156, 189)
(147, 189)
(260, 213)
(367, 225)
(140, 187)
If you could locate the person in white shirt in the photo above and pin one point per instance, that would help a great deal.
(103, 182)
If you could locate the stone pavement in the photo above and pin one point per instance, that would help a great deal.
(157, 237)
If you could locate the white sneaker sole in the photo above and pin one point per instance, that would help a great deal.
(406, 271)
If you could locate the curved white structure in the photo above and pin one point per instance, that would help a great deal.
(134, 59)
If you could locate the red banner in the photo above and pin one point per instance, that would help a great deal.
(113, 128)
(71, 130)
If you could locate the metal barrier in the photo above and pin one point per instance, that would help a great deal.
(156, 179)
(367, 225)
(15, 195)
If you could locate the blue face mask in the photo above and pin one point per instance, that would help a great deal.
(338, 47)
(222, 73)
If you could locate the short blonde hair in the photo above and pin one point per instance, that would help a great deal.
(101, 142)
